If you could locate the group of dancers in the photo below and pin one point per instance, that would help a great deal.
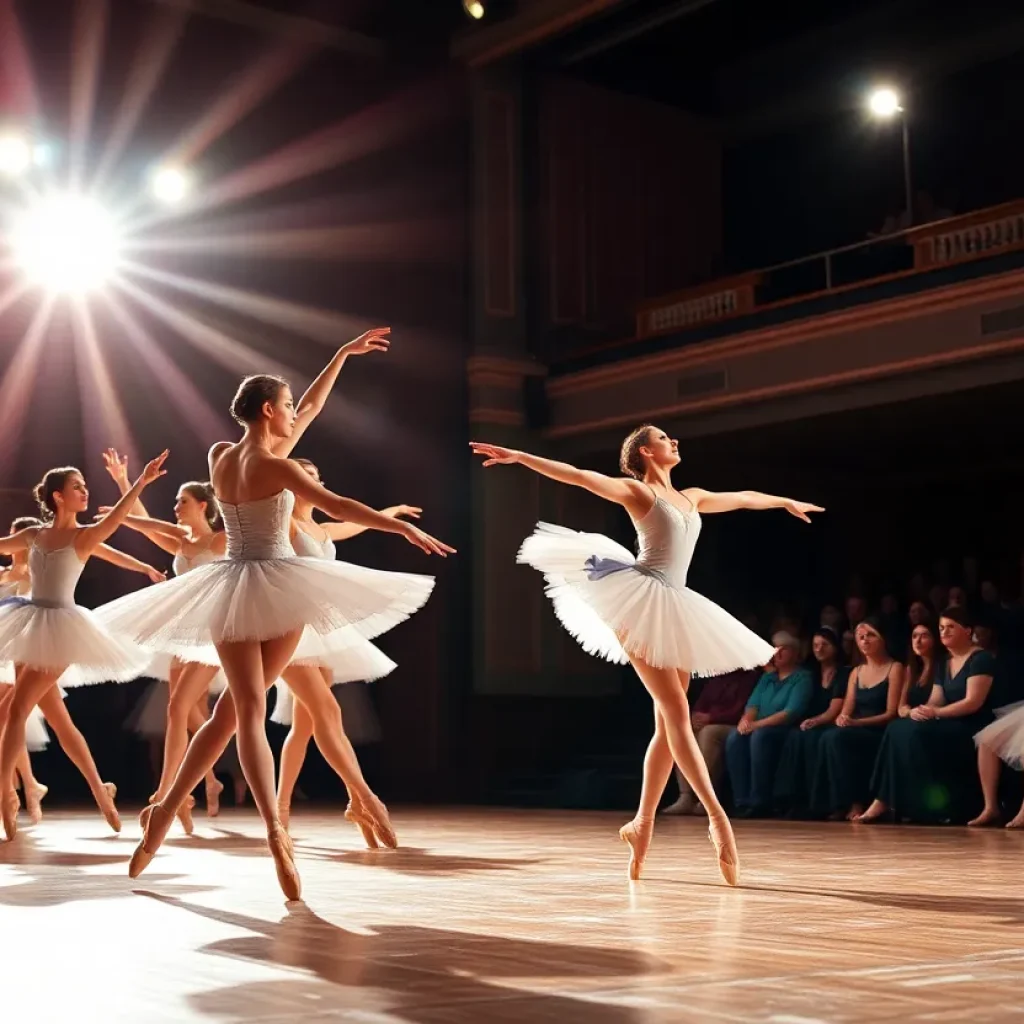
(258, 598)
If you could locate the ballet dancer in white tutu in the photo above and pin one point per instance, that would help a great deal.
(1002, 739)
(195, 538)
(250, 611)
(639, 609)
(361, 662)
(46, 634)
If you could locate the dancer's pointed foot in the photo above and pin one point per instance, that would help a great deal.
(11, 806)
(371, 816)
(155, 821)
(34, 795)
(280, 845)
(989, 816)
(722, 838)
(185, 815)
(214, 788)
(106, 805)
(637, 835)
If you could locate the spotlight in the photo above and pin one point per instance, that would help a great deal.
(884, 102)
(15, 154)
(171, 184)
(474, 8)
(65, 243)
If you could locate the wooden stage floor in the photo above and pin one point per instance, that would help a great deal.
(505, 916)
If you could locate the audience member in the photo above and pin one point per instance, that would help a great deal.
(925, 649)
(753, 748)
(798, 765)
(843, 783)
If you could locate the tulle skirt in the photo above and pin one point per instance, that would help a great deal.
(160, 666)
(1005, 736)
(629, 612)
(361, 661)
(64, 637)
(237, 599)
(37, 737)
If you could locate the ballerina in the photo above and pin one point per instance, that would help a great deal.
(364, 661)
(47, 634)
(640, 610)
(249, 612)
(195, 538)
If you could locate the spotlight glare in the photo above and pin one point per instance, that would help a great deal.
(65, 243)
(15, 155)
(474, 8)
(884, 102)
(171, 184)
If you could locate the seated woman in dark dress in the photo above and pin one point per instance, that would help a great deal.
(798, 766)
(926, 762)
(925, 651)
(847, 753)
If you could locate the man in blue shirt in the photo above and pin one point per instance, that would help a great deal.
(779, 701)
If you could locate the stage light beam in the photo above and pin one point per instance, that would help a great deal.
(884, 102)
(66, 243)
(474, 8)
(15, 155)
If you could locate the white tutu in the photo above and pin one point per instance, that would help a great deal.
(37, 737)
(360, 662)
(1005, 736)
(160, 666)
(261, 599)
(616, 607)
(66, 636)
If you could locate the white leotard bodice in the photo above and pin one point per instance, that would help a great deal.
(307, 546)
(182, 563)
(259, 530)
(668, 538)
(54, 574)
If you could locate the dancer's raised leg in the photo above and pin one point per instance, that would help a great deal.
(669, 695)
(73, 743)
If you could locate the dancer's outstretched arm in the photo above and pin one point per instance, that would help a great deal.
(91, 537)
(18, 541)
(290, 476)
(167, 536)
(124, 561)
(730, 501)
(116, 465)
(622, 490)
(313, 401)
(346, 531)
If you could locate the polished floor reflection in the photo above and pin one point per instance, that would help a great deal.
(503, 916)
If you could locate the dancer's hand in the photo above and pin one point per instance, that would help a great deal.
(377, 340)
(155, 468)
(117, 466)
(155, 575)
(801, 508)
(494, 455)
(408, 512)
(431, 545)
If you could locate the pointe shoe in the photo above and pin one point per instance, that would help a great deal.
(34, 802)
(155, 821)
(11, 806)
(280, 845)
(185, 815)
(213, 792)
(637, 835)
(374, 822)
(107, 806)
(722, 839)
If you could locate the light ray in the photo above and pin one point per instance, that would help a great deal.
(222, 348)
(98, 388)
(90, 25)
(17, 381)
(16, 79)
(197, 412)
(319, 324)
(151, 59)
